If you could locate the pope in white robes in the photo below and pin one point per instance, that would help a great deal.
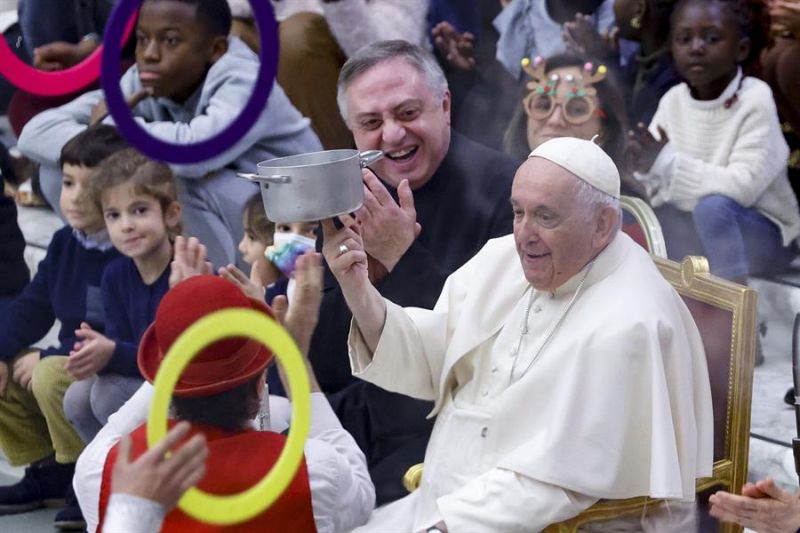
(564, 368)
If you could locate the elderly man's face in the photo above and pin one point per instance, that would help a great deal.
(390, 107)
(556, 236)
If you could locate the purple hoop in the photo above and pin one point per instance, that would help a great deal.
(213, 146)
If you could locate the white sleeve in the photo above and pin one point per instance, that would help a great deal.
(755, 160)
(410, 352)
(502, 500)
(131, 514)
(410, 355)
(45, 135)
(279, 122)
(357, 23)
(89, 468)
(342, 494)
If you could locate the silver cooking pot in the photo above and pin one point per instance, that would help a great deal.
(315, 186)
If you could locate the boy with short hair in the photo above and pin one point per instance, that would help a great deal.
(66, 287)
(199, 80)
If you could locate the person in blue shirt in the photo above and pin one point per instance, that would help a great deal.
(138, 199)
(33, 427)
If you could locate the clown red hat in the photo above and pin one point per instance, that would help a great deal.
(220, 366)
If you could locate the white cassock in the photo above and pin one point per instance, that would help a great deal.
(617, 403)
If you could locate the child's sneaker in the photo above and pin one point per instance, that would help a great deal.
(44, 484)
(70, 518)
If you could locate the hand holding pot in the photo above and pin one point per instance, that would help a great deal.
(344, 251)
(387, 229)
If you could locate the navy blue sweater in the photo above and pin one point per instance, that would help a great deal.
(130, 306)
(66, 287)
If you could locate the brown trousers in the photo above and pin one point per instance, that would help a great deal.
(308, 68)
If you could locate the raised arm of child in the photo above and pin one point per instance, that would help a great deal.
(300, 316)
(190, 259)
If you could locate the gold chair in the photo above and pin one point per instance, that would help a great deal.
(646, 223)
(725, 314)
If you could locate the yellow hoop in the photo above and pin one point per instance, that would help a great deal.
(236, 508)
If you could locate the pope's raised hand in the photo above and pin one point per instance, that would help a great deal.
(343, 250)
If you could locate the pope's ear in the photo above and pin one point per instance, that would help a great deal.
(607, 224)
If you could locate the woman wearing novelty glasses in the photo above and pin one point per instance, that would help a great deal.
(568, 96)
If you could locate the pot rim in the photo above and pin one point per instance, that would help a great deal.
(347, 212)
(271, 164)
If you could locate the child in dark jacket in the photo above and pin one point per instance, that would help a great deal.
(33, 427)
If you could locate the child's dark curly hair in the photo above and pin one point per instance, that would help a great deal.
(751, 18)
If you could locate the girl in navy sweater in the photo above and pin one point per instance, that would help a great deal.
(138, 200)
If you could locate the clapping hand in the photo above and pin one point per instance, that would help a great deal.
(91, 354)
(643, 147)
(247, 285)
(190, 259)
(457, 48)
(301, 316)
(581, 37)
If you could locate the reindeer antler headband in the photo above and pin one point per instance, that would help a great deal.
(541, 83)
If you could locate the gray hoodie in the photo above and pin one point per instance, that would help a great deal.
(281, 130)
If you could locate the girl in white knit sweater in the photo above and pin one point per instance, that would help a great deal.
(713, 160)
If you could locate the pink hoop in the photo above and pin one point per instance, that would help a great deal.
(60, 82)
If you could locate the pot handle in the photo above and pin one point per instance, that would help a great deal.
(268, 179)
(369, 157)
